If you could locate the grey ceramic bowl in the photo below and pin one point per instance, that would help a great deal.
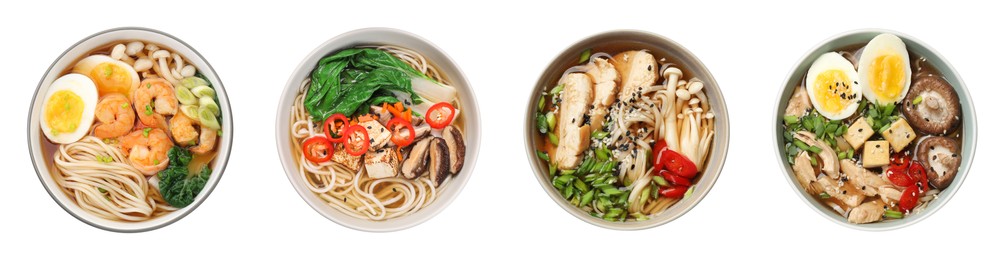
(915, 48)
(658, 44)
(66, 60)
(370, 36)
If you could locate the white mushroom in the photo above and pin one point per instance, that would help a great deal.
(694, 87)
(188, 71)
(683, 94)
(118, 51)
(143, 64)
(133, 48)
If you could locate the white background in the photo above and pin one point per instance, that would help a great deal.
(502, 47)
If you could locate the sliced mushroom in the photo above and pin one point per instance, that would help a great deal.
(439, 161)
(417, 157)
(937, 111)
(422, 130)
(941, 158)
(455, 145)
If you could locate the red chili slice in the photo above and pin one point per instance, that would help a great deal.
(676, 164)
(335, 127)
(917, 172)
(357, 141)
(318, 149)
(898, 176)
(909, 199)
(673, 191)
(398, 136)
(440, 115)
(675, 179)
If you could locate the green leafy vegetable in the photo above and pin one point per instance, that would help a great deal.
(178, 187)
(351, 79)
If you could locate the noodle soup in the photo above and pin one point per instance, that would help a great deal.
(377, 133)
(624, 127)
(127, 128)
(875, 130)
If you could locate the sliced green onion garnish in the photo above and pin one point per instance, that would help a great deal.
(660, 180)
(824, 195)
(918, 100)
(585, 56)
(791, 120)
(893, 214)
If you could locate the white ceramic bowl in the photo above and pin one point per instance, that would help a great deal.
(689, 63)
(371, 36)
(915, 47)
(78, 51)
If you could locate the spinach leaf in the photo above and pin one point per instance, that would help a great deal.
(352, 79)
(176, 185)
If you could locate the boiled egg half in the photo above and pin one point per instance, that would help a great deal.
(832, 85)
(885, 69)
(110, 75)
(68, 108)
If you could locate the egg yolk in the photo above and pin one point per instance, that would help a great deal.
(832, 90)
(63, 111)
(111, 78)
(886, 77)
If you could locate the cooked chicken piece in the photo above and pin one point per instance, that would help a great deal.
(804, 170)
(439, 161)
(890, 193)
(573, 133)
(377, 133)
(455, 145)
(866, 213)
(637, 69)
(827, 155)
(416, 159)
(799, 103)
(382, 163)
(868, 182)
(605, 89)
(342, 157)
(845, 193)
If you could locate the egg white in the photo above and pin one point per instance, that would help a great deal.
(88, 93)
(833, 61)
(883, 44)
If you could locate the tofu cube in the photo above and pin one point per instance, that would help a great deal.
(382, 163)
(858, 133)
(899, 135)
(875, 154)
(377, 133)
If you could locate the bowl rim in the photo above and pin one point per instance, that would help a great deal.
(961, 175)
(208, 189)
(722, 136)
(458, 181)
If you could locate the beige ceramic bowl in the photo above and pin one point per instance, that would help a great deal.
(658, 44)
(66, 60)
(371, 36)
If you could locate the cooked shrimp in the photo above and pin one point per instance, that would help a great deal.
(115, 116)
(184, 133)
(153, 99)
(183, 130)
(207, 139)
(147, 149)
